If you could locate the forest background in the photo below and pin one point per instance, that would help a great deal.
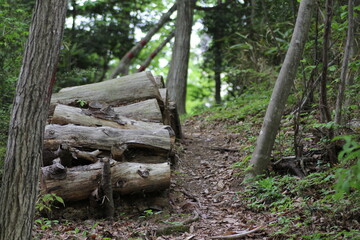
(242, 43)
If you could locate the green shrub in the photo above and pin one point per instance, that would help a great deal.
(348, 175)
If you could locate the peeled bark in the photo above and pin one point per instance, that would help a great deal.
(147, 111)
(127, 178)
(64, 114)
(123, 90)
(103, 138)
(261, 157)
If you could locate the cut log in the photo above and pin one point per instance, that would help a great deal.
(127, 178)
(103, 138)
(147, 111)
(64, 114)
(127, 89)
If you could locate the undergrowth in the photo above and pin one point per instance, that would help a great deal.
(325, 204)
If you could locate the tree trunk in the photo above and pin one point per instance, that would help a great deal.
(324, 107)
(28, 119)
(218, 65)
(123, 66)
(127, 178)
(147, 62)
(177, 76)
(344, 69)
(128, 89)
(325, 115)
(261, 157)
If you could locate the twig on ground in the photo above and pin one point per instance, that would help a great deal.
(238, 235)
(220, 149)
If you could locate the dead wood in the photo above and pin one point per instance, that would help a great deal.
(103, 138)
(238, 235)
(221, 149)
(180, 227)
(54, 171)
(147, 111)
(127, 178)
(127, 89)
(106, 189)
(159, 81)
(175, 120)
(97, 117)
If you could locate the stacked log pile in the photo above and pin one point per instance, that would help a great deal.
(127, 125)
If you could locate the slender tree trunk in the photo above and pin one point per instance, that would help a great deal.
(344, 69)
(324, 107)
(147, 62)
(217, 38)
(177, 76)
(325, 115)
(353, 53)
(123, 67)
(218, 66)
(253, 12)
(261, 157)
(28, 118)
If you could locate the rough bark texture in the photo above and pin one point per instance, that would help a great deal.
(177, 76)
(28, 118)
(344, 69)
(127, 178)
(127, 89)
(123, 66)
(261, 156)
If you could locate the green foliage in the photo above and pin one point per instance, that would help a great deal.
(348, 176)
(268, 194)
(47, 202)
(14, 25)
(307, 199)
(45, 223)
(81, 103)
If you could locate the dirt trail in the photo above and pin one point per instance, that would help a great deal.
(208, 184)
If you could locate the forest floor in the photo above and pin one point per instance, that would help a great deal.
(205, 200)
